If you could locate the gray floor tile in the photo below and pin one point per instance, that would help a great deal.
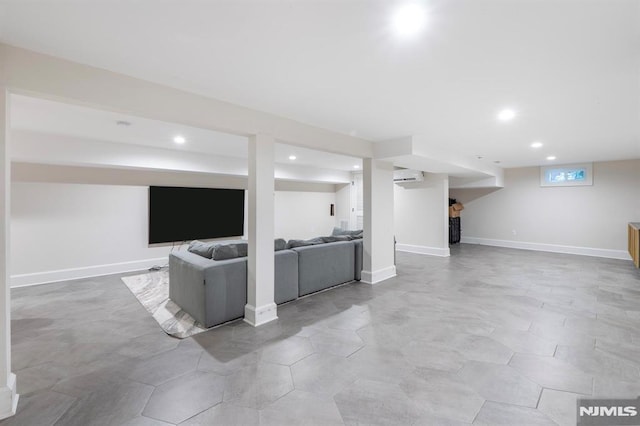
(503, 318)
(323, 374)
(227, 415)
(524, 341)
(125, 402)
(163, 367)
(287, 351)
(595, 361)
(559, 406)
(384, 334)
(84, 384)
(228, 359)
(500, 383)
(38, 378)
(433, 355)
(497, 414)
(155, 342)
(40, 409)
(610, 387)
(110, 362)
(481, 348)
(336, 342)
(552, 373)
(258, 386)
(182, 398)
(145, 421)
(562, 335)
(599, 328)
(625, 350)
(367, 362)
(375, 403)
(299, 408)
(427, 420)
(213, 338)
(245, 333)
(351, 319)
(443, 395)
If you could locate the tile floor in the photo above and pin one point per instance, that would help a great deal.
(488, 336)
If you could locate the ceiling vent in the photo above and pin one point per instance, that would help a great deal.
(406, 175)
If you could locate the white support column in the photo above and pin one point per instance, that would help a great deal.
(378, 262)
(260, 308)
(8, 396)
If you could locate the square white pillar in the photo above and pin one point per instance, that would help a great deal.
(379, 259)
(260, 308)
(8, 396)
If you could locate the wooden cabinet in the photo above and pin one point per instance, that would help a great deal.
(634, 243)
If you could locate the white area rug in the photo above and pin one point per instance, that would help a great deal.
(152, 291)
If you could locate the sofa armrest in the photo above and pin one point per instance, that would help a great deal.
(225, 290)
(286, 276)
(211, 291)
(187, 283)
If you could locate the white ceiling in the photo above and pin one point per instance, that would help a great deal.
(570, 68)
(55, 118)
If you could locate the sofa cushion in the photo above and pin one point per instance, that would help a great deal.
(303, 243)
(201, 248)
(224, 251)
(280, 244)
(217, 250)
(229, 251)
(334, 238)
(339, 231)
(336, 231)
(243, 249)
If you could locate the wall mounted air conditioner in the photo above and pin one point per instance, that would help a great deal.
(406, 175)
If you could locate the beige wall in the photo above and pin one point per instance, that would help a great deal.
(593, 217)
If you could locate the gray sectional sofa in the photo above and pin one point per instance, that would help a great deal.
(209, 281)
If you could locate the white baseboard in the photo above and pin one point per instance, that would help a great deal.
(45, 277)
(260, 315)
(374, 277)
(9, 398)
(431, 251)
(553, 248)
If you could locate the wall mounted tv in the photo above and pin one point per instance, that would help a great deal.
(183, 214)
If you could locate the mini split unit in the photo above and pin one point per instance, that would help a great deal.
(406, 175)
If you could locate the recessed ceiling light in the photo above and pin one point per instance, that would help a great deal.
(123, 123)
(506, 115)
(551, 157)
(479, 157)
(356, 166)
(497, 161)
(179, 139)
(292, 157)
(536, 145)
(409, 19)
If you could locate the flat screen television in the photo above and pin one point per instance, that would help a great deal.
(184, 214)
